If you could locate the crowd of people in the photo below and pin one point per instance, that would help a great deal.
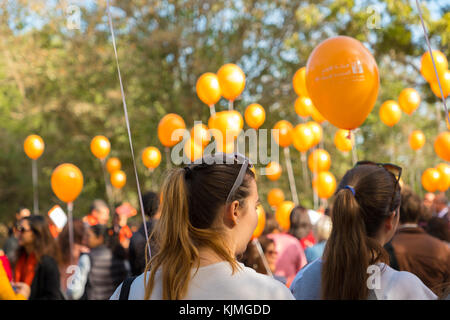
(376, 240)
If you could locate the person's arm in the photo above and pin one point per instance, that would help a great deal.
(77, 284)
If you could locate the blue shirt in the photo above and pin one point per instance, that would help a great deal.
(307, 283)
(315, 252)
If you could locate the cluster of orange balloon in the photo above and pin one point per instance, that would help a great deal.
(438, 178)
(428, 72)
(303, 104)
(229, 82)
(34, 147)
(391, 111)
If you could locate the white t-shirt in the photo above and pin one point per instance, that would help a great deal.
(400, 285)
(216, 282)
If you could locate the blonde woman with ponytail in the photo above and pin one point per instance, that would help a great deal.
(208, 214)
(354, 266)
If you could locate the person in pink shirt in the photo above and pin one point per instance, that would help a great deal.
(291, 257)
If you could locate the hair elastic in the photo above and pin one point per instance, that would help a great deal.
(351, 189)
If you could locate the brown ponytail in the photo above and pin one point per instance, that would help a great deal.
(186, 224)
(356, 219)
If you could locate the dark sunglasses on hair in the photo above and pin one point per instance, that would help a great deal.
(22, 229)
(225, 158)
(395, 170)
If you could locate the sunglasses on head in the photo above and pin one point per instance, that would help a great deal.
(227, 158)
(22, 229)
(393, 169)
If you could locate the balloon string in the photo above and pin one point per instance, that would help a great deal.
(128, 124)
(70, 226)
(354, 150)
(432, 59)
(230, 105)
(257, 244)
(212, 109)
(291, 175)
(35, 186)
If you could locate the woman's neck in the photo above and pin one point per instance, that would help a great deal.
(208, 256)
(29, 249)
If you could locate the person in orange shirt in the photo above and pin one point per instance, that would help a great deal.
(98, 214)
(123, 212)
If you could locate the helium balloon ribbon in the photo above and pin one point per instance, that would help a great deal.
(257, 244)
(306, 181)
(34, 174)
(291, 175)
(212, 109)
(354, 150)
(425, 32)
(107, 186)
(167, 151)
(127, 122)
(315, 195)
(70, 226)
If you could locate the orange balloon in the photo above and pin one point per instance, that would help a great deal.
(167, 126)
(151, 157)
(275, 197)
(342, 81)
(208, 88)
(226, 125)
(409, 100)
(254, 115)
(444, 180)
(200, 133)
(231, 80)
(302, 137)
(118, 179)
(192, 150)
(317, 131)
(416, 139)
(319, 160)
(426, 65)
(445, 83)
(430, 179)
(283, 214)
(442, 145)
(299, 82)
(325, 184)
(34, 146)
(273, 171)
(113, 164)
(67, 182)
(342, 142)
(316, 115)
(225, 147)
(284, 138)
(261, 222)
(390, 113)
(303, 106)
(100, 147)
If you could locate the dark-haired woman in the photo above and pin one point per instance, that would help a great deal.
(365, 215)
(38, 257)
(100, 271)
(208, 215)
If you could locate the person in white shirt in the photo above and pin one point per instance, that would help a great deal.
(365, 215)
(208, 214)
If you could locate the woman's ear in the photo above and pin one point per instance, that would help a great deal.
(390, 222)
(232, 214)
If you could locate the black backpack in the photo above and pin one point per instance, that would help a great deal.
(125, 290)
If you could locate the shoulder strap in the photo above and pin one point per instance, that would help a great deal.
(125, 290)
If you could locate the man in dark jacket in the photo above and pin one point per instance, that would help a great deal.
(137, 247)
(418, 252)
